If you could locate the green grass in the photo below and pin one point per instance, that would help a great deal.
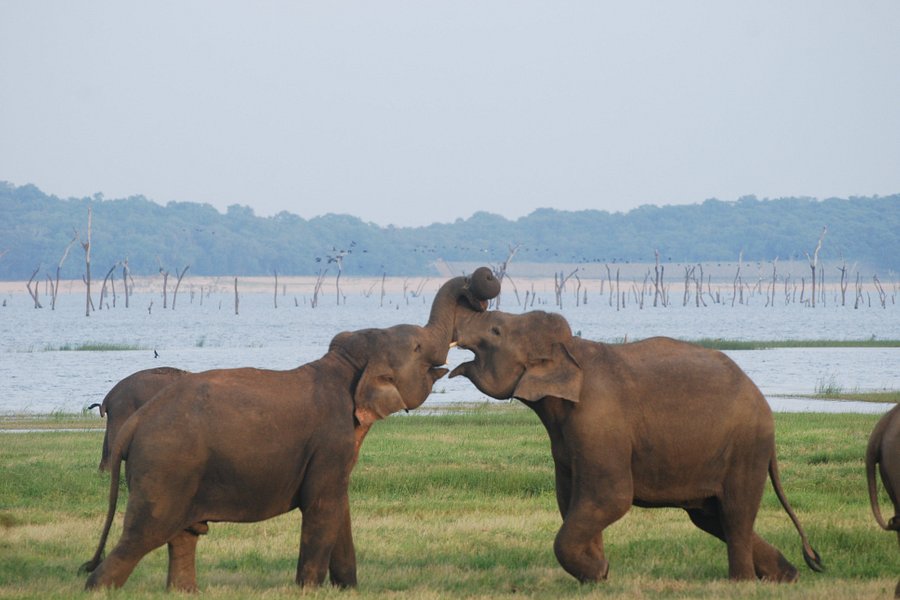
(829, 389)
(723, 344)
(839, 394)
(93, 347)
(458, 505)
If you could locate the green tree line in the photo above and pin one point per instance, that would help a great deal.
(36, 228)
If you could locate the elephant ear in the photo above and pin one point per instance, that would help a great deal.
(551, 373)
(376, 395)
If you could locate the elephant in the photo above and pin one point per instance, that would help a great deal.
(883, 450)
(247, 444)
(654, 423)
(126, 397)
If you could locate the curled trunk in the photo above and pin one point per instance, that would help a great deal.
(458, 297)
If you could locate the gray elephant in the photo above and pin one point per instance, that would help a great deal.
(248, 444)
(883, 451)
(656, 423)
(126, 397)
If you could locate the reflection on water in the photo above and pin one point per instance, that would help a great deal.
(36, 377)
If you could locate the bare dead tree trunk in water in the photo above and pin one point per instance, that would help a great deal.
(617, 289)
(560, 284)
(578, 291)
(275, 297)
(383, 277)
(882, 295)
(338, 259)
(165, 276)
(657, 282)
(237, 300)
(500, 272)
(34, 293)
(737, 281)
(418, 291)
(844, 281)
(178, 284)
(125, 274)
(822, 292)
(770, 291)
(103, 287)
(609, 277)
(640, 298)
(89, 304)
(54, 287)
(320, 277)
(814, 263)
(515, 289)
(688, 275)
(699, 292)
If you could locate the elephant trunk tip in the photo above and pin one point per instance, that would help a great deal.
(483, 285)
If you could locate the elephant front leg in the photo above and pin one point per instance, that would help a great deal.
(342, 566)
(563, 486)
(322, 525)
(770, 564)
(579, 543)
(183, 561)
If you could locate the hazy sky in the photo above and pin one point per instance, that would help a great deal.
(411, 112)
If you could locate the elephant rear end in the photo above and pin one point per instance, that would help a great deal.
(883, 457)
(126, 397)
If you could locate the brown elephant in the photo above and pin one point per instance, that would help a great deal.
(126, 397)
(656, 423)
(883, 451)
(248, 444)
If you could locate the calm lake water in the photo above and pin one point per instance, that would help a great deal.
(38, 374)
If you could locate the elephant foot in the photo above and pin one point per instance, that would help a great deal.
(111, 573)
(771, 565)
(787, 575)
(601, 574)
(894, 523)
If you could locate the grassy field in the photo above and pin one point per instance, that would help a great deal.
(453, 506)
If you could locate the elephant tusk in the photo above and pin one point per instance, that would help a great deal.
(453, 344)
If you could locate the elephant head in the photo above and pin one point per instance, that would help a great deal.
(455, 302)
(523, 356)
(399, 365)
(396, 367)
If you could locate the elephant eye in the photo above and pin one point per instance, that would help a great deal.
(495, 330)
(418, 348)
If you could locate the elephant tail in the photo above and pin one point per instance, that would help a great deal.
(873, 457)
(123, 439)
(812, 558)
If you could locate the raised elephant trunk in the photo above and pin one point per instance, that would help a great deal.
(457, 297)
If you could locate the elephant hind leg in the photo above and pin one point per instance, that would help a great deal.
(740, 556)
(182, 560)
(115, 569)
(768, 562)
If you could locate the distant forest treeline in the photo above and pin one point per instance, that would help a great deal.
(36, 229)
